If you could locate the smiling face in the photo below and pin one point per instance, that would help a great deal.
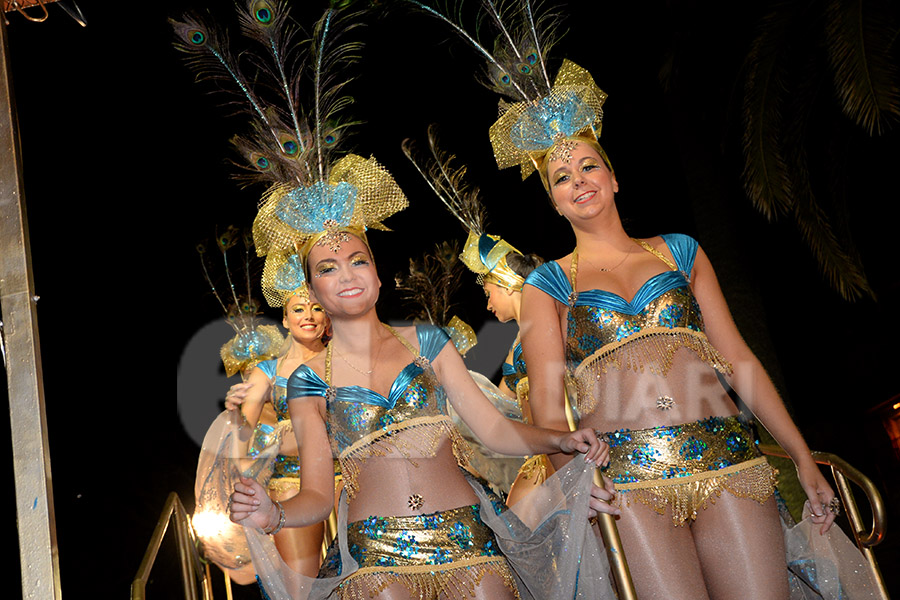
(501, 301)
(582, 187)
(345, 282)
(305, 320)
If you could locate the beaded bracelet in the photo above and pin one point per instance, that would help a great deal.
(280, 519)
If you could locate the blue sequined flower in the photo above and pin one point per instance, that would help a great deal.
(713, 424)
(439, 557)
(406, 545)
(373, 527)
(625, 477)
(644, 455)
(430, 521)
(617, 438)
(668, 433)
(670, 316)
(693, 449)
(461, 534)
(290, 275)
(737, 442)
(626, 329)
(416, 396)
(355, 415)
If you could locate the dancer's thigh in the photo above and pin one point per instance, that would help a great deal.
(491, 587)
(741, 548)
(661, 556)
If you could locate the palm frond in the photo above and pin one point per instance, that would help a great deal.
(859, 42)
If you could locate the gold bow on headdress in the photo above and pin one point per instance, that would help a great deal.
(531, 132)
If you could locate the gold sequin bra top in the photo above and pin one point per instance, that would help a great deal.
(607, 331)
(364, 424)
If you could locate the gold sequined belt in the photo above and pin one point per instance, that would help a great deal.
(683, 467)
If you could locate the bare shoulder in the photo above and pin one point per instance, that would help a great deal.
(565, 262)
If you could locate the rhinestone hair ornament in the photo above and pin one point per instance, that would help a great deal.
(483, 254)
(314, 196)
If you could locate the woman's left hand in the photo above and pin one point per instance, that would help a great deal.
(823, 503)
(585, 441)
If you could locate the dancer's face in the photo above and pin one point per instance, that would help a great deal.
(582, 187)
(344, 282)
(500, 301)
(306, 320)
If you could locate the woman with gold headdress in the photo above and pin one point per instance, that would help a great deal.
(643, 330)
(376, 399)
(265, 388)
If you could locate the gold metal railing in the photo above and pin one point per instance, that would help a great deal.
(194, 572)
(844, 473)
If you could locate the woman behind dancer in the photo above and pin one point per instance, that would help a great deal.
(501, 271)
(644, 329)
(306, 322)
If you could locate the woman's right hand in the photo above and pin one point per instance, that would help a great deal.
(250, 501)
(237, 394)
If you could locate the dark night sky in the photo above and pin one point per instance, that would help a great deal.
(125, 171)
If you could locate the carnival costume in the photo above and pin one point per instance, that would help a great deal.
(316, 199)
(681, 467)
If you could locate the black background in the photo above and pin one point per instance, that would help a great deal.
(125, 171)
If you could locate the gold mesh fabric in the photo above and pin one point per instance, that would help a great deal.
(462, 335)
(377, 197)
(571, 79)
(272, 292)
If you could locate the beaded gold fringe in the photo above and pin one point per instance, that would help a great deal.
(421, 437)
(754, 479)
(428, 582)
(278, 486)
(652, 349)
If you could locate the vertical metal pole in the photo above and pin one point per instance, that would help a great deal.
(31, 458)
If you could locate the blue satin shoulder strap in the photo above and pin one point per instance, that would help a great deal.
(550, 279)
(305, 382)
(684, 250)
(431, 340)
(268, 367)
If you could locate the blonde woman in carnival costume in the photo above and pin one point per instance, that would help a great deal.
(306, 322)
(410, 523)
(641, 331)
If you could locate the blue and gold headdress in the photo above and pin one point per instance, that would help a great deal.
(314, 197)
(483, 253)
(538, 120)
(252, 342)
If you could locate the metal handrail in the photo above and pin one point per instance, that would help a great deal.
(193, 574)
(843, 473)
